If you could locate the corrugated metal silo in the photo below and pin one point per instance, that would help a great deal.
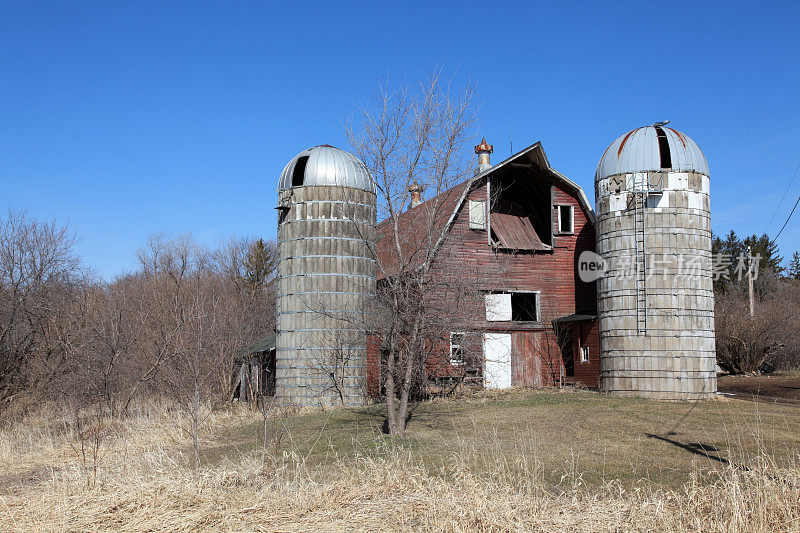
(656, 301)
(326, 277)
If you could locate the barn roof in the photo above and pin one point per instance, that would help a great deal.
(422, 224)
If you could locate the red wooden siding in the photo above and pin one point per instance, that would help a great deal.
(552, 273)
(588, 373)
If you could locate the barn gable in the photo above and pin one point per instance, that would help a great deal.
(425, 221)
(537, 221)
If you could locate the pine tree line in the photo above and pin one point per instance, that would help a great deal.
(730, 250)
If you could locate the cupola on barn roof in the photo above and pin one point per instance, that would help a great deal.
(326, 165)
(655, 148)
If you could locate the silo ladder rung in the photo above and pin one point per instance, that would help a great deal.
(640, 201)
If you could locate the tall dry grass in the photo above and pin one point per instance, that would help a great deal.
(143, 479)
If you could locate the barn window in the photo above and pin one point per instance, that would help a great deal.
(584, 354)
(456, 349)
(299, 172)
(525, 306)
(566, 219)
(477, 214)
(512, 306)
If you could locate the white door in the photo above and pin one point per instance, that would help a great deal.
(497, 360)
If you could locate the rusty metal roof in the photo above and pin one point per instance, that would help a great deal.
(483, 147)
(516, 233)
(327, 165)
(639, 150)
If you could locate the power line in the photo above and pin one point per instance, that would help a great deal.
(784, 198)
(787, 219)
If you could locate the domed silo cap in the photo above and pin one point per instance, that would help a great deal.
(656, 148)
(326, 165)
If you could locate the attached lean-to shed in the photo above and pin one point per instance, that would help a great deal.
(253, 373)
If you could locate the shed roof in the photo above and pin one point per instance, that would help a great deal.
(576, 317)
(265, 344)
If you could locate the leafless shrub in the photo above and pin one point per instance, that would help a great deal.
(744, 342)
(170, 328)
(204, 304)
(38, 267)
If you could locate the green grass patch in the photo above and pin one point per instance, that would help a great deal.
(558, 438)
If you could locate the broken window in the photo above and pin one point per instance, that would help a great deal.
(525, 306)
(566, 219)
(477, 214)
(512, 306)
(299, 172)
(584, 354)
(456, 348)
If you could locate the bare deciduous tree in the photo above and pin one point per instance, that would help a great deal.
(38, 264)
(415, 134)
(173, 325)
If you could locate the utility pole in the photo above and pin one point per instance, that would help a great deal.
(750, 280)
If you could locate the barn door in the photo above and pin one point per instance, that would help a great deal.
(526, 362)
(497, 360)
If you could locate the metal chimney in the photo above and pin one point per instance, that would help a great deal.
(483, 150)
(416, 194)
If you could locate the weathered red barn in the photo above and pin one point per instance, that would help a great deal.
(518, 228)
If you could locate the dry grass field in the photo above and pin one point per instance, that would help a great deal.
(516, 461)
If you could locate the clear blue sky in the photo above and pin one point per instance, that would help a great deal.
(127, 118)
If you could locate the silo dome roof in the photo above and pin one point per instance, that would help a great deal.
(326, 165)
(652, 148)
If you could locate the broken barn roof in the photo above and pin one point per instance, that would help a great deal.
(516, 233)
(266, 344)
(420, 226)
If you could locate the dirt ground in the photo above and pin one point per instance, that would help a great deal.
(780, 386)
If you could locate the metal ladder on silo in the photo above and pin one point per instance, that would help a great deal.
(640, 190)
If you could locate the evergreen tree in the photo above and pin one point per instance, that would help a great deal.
(717, 249)
(259, 265)
(726, 254)
(716, 244)
(794, 267)
(732, 245)
(767, 250)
